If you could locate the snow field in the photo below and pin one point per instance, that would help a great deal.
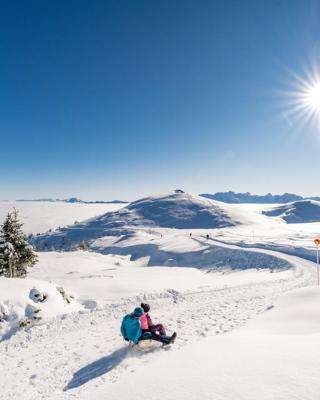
(39, 217)
(83, 351)
(151, 223)
(254, 362)
(75, 351)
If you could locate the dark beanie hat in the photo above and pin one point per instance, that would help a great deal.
(145, 306)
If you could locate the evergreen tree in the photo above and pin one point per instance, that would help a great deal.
(15, 252)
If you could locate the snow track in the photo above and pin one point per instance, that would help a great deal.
(67, 357)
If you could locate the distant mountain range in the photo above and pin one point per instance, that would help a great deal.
(76, 200)
(234, 198)
(225, 197)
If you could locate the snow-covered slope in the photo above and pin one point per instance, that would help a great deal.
(75, 351)
(259, 361)
(81, 355)
(143, 229)
(297, 212)
(177, 210)
(174, 210)
(177, 248)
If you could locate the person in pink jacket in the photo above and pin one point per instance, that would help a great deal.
(146, 323)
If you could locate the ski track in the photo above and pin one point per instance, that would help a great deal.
(40, 362)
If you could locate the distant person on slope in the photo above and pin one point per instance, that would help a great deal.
(131, 329)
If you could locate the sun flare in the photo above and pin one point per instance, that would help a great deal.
(313, 97)
(302, 102)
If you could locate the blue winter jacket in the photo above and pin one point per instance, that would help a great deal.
(131, 328)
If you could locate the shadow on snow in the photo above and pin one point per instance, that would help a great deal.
(97, 368)
(100, 367)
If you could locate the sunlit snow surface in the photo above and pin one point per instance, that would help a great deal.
(248, 326)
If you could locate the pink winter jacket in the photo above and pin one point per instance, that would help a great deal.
(145, 321)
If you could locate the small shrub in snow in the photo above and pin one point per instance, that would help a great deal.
(67, 298)
(37, 315)
(24, 323)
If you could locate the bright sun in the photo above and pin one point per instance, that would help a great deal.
(313, 97)
(303, 100)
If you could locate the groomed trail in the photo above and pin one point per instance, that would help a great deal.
(72, 354)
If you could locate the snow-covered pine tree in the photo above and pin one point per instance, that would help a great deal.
(15, 252)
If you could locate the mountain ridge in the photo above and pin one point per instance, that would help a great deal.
(73, 200)
(239, 198)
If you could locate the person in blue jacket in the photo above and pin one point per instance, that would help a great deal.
(131, 329)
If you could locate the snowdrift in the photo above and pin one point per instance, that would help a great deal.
(297, 212)
(25, 302)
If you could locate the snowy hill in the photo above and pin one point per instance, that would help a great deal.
(297, 212)
(174, 210)
(178, 210)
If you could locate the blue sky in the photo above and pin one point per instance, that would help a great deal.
(120, 99)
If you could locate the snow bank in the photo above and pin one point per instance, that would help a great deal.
(24, 302)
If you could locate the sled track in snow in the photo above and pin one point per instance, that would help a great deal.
(86, 349)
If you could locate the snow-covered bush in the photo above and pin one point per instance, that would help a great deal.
(37, 296)
(4, 312)
(28, 302)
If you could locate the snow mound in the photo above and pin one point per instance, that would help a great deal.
(296, 313)
(174, 210)
(297, 212)
(178, 210)
(25, 302)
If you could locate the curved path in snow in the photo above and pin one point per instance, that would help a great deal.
(67, 357)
